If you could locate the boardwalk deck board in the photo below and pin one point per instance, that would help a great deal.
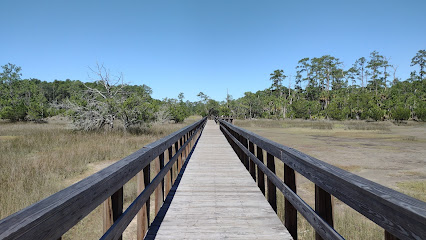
(218, 199)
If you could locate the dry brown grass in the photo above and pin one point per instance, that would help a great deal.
(38, 160)
(416, 189)
(382, 152)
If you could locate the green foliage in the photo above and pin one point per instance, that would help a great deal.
(420, 59)
(322, 90)
(375, 113)
(421, 112)
(336, 111)
(178, 109)
(400, 114)
(14, 113)
(20, 99)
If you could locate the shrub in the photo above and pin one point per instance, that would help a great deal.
(421, 113)
(399, 114)
(375, 113)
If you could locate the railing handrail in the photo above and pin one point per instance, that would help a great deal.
(397, 213)
(51, 217)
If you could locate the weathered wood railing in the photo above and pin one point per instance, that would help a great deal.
(226, 119)
(401, 216)
(52, 217)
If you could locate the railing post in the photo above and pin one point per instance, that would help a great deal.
(143, 179)
(252, 166)
(113, 208)
(389, 236)
(181, 154)
(184, 150)
(158, 191)
(169, 176)
(323, 207)
(260, 174)
(290, 213)
(178, 159)
(107, 214)
(272, 190)
(188, 146)
(240, 152)
(245, 157)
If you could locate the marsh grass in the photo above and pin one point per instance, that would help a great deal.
(367, 126)
(38, 160)
(321, 124)
(347, 222)
(410, 138)
(416, 189)
(266, 123)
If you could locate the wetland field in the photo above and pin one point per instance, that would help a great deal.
(389, 154)
(38, 160)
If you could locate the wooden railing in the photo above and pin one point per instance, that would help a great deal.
(226, 119)
(52, 217)
(401, 216)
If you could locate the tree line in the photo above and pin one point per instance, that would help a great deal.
(322, 89)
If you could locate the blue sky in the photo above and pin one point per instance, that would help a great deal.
(209, 46)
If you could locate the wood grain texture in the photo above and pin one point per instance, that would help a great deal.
(176, 166)
(252, 167)
(52, 217)
(245, 157)
(389, 236)
(319, 224)
(260, 174)
(290, 213)
(218, 199)
(161, 158)
(169, 177)
(324, 207)
(107, 215)
(121, 224)
(117, 200)
(142, 216)
(399, 214)
(158, 193)
(272, 191)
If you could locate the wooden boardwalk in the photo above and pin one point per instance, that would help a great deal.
(218, 199)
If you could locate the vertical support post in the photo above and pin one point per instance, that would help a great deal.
(290, 213)
(260, 174)
(239, 153)
(161, 158)
(188, 147)
(184, 150)
(272, 190)
(181, 154)
(158, 191)
(169, 175)
(107, 214)
(143, 214)
(323, 207)
(245, 157)
(252, 166)
(113, 208)
(178, 159)
(389, 236)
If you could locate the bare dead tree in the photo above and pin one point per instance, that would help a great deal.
(98, 106)
(395, 68)
(108, 99)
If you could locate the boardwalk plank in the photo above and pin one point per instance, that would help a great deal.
(217, 198)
